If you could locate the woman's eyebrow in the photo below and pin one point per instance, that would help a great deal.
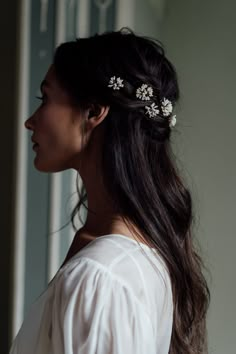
(44, 83)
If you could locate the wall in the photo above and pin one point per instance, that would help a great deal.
(200, 39)
(146, 18)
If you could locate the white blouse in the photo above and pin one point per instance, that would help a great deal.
(113, 297)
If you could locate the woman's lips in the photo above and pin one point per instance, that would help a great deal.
(35, 146)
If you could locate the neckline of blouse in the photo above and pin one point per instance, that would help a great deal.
(122, 236)
(77, 254)
(142, 245)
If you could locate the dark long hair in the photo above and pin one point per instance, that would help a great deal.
(138, 164)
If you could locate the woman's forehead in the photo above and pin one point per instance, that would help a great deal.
(52, 84)
(50, 76)
(50, 80)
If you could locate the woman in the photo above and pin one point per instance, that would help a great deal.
(132, 281)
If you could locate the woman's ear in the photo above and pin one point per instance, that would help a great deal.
(95, 115)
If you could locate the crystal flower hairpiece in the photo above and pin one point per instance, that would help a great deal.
(152, 110)
(172, 121)
(116, 83)
(166, 107)
(144, 92)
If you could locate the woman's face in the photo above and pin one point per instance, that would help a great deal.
(56, 127)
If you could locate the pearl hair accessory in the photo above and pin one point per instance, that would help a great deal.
(144, 93)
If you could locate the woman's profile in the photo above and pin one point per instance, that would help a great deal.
(132, 280)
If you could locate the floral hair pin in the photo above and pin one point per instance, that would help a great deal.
(166, 107)
(116, 83)
(152, 110)
(144, 92)
(172, 121)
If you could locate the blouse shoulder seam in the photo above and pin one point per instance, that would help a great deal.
(120, 281)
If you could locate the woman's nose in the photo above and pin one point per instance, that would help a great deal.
(29, 123)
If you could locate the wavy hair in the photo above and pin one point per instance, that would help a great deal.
(138, 164)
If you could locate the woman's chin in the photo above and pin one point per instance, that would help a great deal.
(47, 168)
(41, 168)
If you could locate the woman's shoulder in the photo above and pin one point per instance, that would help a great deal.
(117, 261)
(109, 282)
(113, 251)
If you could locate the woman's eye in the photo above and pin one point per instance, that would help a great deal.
(41, 98)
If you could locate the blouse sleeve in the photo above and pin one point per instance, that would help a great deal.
(94, 312)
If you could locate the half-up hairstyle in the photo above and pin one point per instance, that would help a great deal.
(138, 164)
